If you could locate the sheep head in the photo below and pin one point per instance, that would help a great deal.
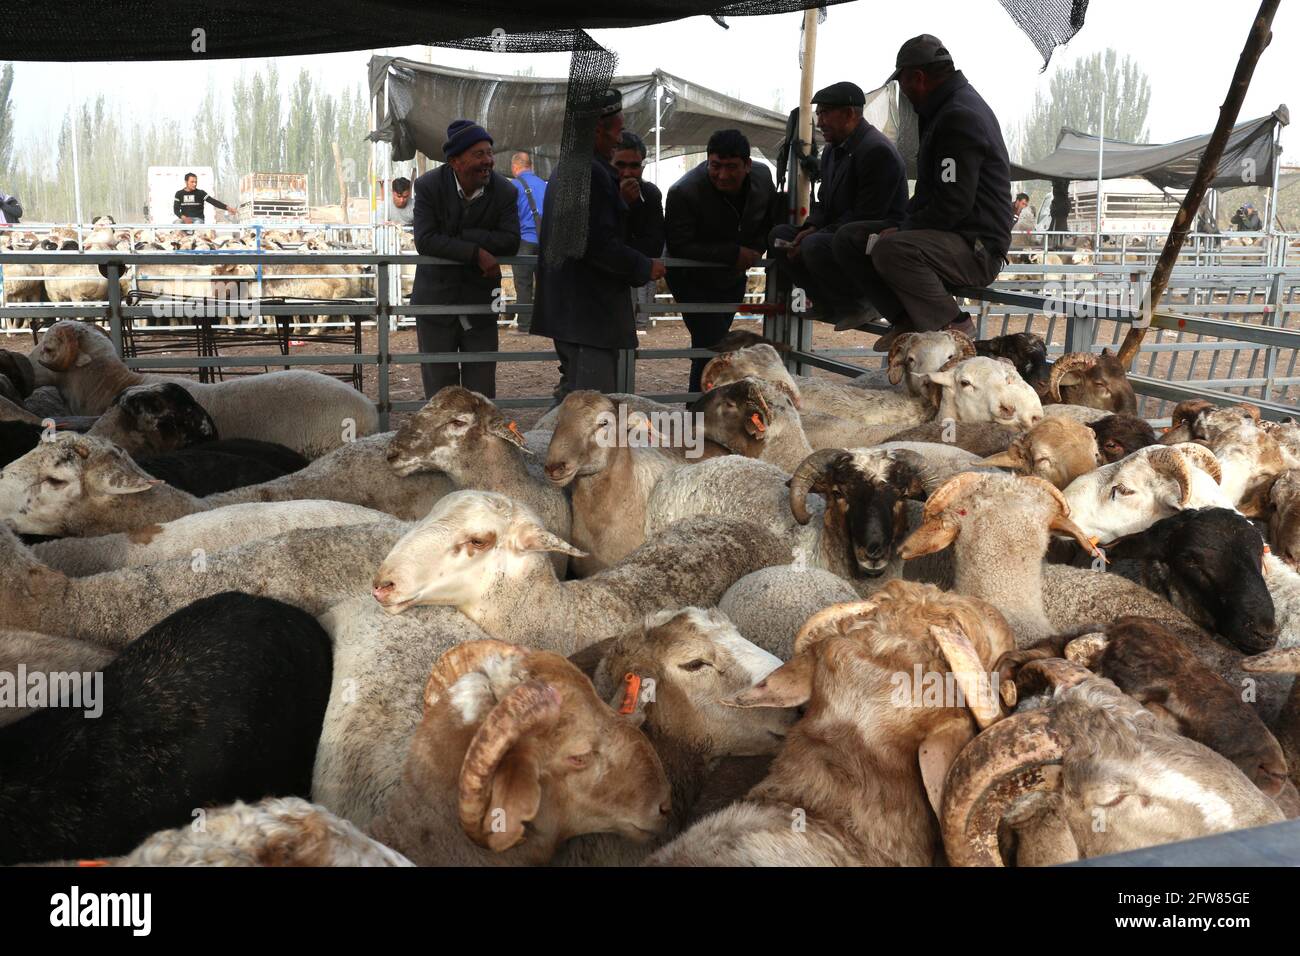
(159, 417)
(985, 390)
(698, 661)
(460, 549)
(1118, 436)
(1210, 560)
(761, 361)
(862, 660)
(965, 500)
(453, 427)
(68, 344)
(1057, 450)
(1097, 381)
(1284, 523)
(1025, 350)
(739, 415)
(1093, 753)
(45, 490)
(531, 754)
(584, 438)
(1150, 484)
(914, 354)
(866, 494)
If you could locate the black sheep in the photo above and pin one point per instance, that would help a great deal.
(202, 472)
(17, 439)
(222, 701)
(269, 452)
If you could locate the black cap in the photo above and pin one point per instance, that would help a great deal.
(843, 93)
(920, 51)
(605, 103)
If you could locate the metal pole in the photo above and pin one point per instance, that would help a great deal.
(1270, 204)
(76, 162)
(808, 58)
(659, 100)
(1101, 152)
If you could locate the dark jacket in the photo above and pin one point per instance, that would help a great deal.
(443, 229)
(862, 178)
(963, 173)
(10, 208)
(645, 222)
(703, 224)
(586, 300)
(189, 202)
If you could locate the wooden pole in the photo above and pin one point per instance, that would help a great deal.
(809, 58)
(1258, 39)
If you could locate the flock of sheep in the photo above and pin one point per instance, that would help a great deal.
(966, 610)
(28, 283)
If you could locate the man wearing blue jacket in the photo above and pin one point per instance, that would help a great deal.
(585, 304)
(532, 196)
(957, 227)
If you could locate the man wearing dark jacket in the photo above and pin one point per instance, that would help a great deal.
(645, 215)
(721, 211)
(863, 178)
(464, 212)
(957, 228)
(11, 210)
(188, 202)
(584, 304)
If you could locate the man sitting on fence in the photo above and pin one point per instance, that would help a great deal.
(863, 182)
(584, 303)
(465, 212)
(721, 211)
(957, 228)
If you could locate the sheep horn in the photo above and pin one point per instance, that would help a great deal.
(1171, 464)
(1061, 522)
(1085, 649)
(964, 343)
(461, 660)
(952, 489)
(806, 476)
(1054, 672)
(1250, 410)
(528, 708)
(1202, 458)
(895, 360)
(969, 673)
(1014, 757)
(1280, 660)
(831, 620)
(1063, 366)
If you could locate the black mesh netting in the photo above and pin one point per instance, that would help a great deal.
(72, 30)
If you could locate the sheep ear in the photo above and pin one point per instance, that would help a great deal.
(932, 536)
(944, 379)
(121, 478)
(936, 754)
(1010, 458)
(532, 537)
(516, 797)
(790, 685)
(1255, 503)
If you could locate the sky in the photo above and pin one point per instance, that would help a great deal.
(1188, 48)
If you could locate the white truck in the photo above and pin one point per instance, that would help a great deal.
(1128, 206)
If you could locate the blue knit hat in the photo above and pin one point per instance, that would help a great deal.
(461, 135)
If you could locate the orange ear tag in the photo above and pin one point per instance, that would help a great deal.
(92, 863)
(758, 422)
(631, 693)
(514, 429)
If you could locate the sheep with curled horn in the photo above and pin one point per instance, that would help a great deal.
(1095, 381)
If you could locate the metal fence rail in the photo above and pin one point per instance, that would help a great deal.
(1242, 320)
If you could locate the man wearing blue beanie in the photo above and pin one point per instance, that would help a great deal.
(464, 212)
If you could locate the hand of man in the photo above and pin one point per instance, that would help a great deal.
(793, 251)
(631, 190)
(186, 219)
(746, 258)
(488, 264)
(657, 269)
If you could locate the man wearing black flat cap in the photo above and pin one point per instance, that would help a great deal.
(465, 212)
(585, 304)
(957, 227)
(863, 178)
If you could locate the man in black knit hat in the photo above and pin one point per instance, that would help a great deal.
(584, 303)
(464, 212)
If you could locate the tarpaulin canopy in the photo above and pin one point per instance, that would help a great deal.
(1251, 151)
(526, 112)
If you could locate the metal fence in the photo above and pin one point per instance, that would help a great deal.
(1228, 331)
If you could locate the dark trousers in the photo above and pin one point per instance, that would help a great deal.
(446, 333)
(906, 274)
(706, 328)
(816, 271)
(523, 273)
(585, 367)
